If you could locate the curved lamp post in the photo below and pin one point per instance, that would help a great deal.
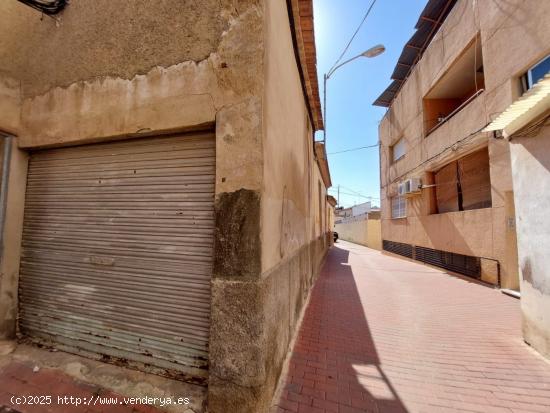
(372, 52)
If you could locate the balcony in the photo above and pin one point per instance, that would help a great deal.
(461, 84)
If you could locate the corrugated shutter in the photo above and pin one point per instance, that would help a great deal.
(117, 250)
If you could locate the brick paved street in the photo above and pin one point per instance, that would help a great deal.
(383, 334)
(19, 379)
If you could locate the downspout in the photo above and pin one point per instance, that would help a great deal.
(4, 188)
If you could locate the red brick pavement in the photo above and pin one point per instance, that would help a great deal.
(19, 379)
(382, 334)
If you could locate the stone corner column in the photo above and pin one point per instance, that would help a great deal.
(11, 246)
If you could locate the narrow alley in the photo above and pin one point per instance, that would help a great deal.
(384, 334)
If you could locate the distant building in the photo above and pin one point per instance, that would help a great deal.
(361, 208)
(363, 229)
(354, 212)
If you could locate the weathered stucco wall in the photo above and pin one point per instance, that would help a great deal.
(100, 38)
(513, 36)
(10, 104)
(366, 232)
(287, 146)
(109, 71)
(11, 246)
(292, 245)
(531, 173)
(112, 70)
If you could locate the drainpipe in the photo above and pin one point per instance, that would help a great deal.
(4, 188)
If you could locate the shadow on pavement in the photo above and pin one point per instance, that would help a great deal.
(335, 357)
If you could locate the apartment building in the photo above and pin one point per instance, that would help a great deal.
(163, 201)
(446, 184)
(525, 124)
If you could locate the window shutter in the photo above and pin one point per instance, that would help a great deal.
(399, 149)
(475, 180)
(446, 191)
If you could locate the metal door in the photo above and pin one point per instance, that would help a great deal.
(117, 250)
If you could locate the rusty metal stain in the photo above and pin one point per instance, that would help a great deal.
(108, 261)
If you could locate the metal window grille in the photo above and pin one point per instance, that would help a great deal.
(406, 250)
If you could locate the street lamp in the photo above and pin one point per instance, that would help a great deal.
(372, 52)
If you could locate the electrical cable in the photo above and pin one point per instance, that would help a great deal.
(354, 194)
(455, 145)
(353, 37)
(355, 149)
(49, 7)
(533, 129)
(350, 189)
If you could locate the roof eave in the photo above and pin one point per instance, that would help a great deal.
(322, 161)
(304, 39)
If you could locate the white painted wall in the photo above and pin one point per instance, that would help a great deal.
(361, 208)
(531, 177)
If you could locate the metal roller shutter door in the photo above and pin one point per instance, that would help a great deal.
(117, 251)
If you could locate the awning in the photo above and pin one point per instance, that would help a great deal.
(528, 107)
(431, 18)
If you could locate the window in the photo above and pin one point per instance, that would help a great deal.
(398, 207)
(464, 81)
(399, 149)
(464, 184)
(535, 73)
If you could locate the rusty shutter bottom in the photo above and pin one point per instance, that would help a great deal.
(117, 251)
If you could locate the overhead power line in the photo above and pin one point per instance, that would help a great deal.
(353, 194)
(354, 149)
(353, 37)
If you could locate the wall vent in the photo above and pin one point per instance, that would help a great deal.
(406, 250)
(462, 264)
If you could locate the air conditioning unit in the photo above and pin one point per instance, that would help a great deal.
(402, 188)
(409, 187)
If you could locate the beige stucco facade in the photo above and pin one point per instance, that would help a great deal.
(366, 231)
(105, 72)
(511, 37)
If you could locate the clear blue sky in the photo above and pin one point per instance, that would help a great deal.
(352, 120)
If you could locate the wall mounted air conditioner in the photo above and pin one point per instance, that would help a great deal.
(402, 188)
(409, 187)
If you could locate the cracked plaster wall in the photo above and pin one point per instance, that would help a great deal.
(134, 81)
(110, 70)
(106, 72)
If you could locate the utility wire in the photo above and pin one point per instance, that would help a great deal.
(353, 37)
(457, 144)
(354, 194)
(354, 149)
